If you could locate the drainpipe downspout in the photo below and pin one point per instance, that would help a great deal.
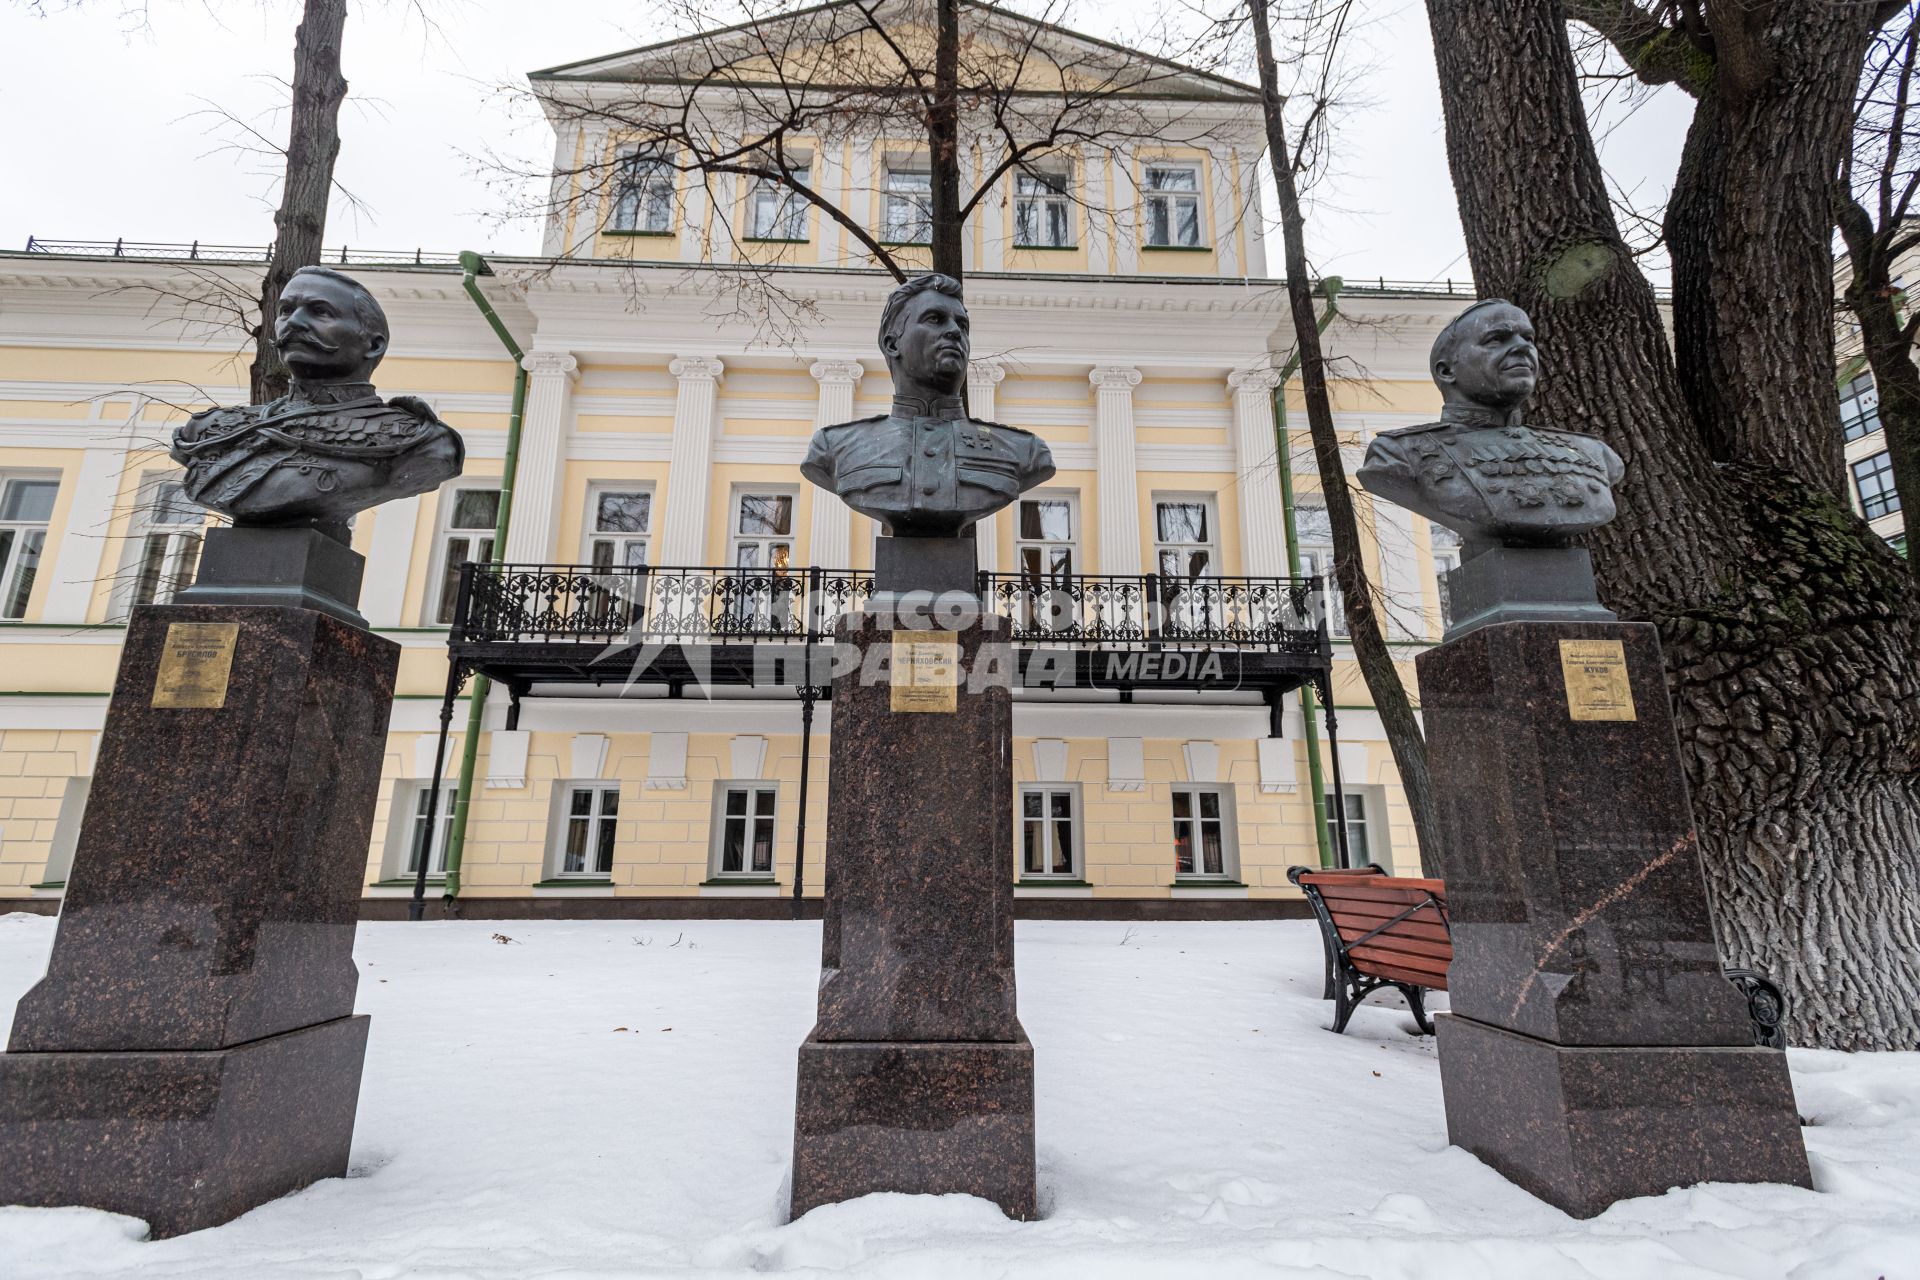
(471, 266)
(1283, 453)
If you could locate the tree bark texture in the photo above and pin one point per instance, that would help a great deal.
(313, 144)
(1370, 648)
(1790, 631)
(943, 141)
(1888, 344)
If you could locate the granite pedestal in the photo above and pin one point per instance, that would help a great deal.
(192, 1051)
(1594, 1050)
(917, 1076)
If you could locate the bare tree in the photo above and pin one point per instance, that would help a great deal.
(1313, 61)
(1791, 631)
(1873, 204)
(977, 92)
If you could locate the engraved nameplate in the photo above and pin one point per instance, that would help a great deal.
(1596, 675)
(195, 664)
(925, 672)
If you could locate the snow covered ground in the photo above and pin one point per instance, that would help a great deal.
(616, 1098)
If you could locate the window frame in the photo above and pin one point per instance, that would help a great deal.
(1860, 407)
(1054, 195)
(1362, 850)
(1049, 581)
(788, 206)
(736, 509)
(1446, 557)
(1877, 467)
(1229, 872)
(20, 560)
(1171, 198)
(405, 813)
(646, 164)
(1212, 545)
(889, 195)
(717, 831)
(1316, 561)
(179, 562)
(1076, 833)
(590, 518)
(443, 585)
(598, 820)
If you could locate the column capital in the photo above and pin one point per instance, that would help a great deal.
(1114, 377)
(1253, 381)
(697, 368)
(843, 372)
(990, 372)
(551, 363)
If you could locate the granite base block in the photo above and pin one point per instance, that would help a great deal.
(921, 1118)
(1582, 1128)
(184, 1139)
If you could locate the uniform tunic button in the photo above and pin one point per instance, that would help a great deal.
(927, 490)
(933, 453)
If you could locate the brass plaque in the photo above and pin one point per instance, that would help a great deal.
(925, 672)
(1596, 676)
(195, 664)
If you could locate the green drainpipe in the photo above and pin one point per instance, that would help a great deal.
(472, 264)
(1309, 705)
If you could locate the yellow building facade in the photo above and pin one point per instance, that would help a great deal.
(664, 424)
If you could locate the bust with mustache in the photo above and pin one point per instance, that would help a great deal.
(926, 470)
(1482, 470)
(331, 446)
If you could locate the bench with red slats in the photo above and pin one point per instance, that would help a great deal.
(1380, 931)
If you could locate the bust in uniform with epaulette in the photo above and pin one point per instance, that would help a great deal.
(331, 446)
(926, 470)
(1506, 486)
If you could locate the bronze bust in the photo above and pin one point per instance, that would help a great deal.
(926, 470)
(1482, 470)
(331, 446)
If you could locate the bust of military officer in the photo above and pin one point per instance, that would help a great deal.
(331, 446)
(1481, 470)
(926, 470)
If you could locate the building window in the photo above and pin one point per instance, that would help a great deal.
(909, 207)
(1042, 218)
(743, 830)
(776, 211)
(1046, 548)
(1202, 834)
(167, 536)
(1173, 206)
(1446, 558)
(586, 832)
(471, 516)
(1359, 852)
(1315, 529)
(763, 531)
(416, 829)
(1050, 833)
(26, 506)
(1860, 407)
(643, 194)
(1873, 477)
(1183, 537)
(1899, 543)
(619, 522)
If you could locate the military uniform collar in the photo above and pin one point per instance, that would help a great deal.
(1474, 415)
(330, 392)
(945, 408)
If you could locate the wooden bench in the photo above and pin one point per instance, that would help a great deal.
(1392, 931)
(1379, 931)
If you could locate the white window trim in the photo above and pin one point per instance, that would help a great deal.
(66, 833)
(789, 206)
(1229, 873)
(9, 566)
(560, 814)
(888, 195)
(1212, 545)
(734, 537)
(717, 830)
(443, 533)
(1076, 855)
(403, 813)
(1372, 820)
(1148, 196)
(633, 155)
(1064, 198)
(591, 515)
(146, 494)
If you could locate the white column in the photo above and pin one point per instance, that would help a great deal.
(1263, 525)
(683, 536)
(983, 384)
(830, 536)
(1399, 571)
(1118, 488)
(383, 590)
(542, 468)
(75, 567)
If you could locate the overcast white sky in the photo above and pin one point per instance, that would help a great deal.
(101, 138)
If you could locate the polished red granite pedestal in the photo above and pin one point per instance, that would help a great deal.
(917, 1076)
(192, 1051)
(1594, 1050)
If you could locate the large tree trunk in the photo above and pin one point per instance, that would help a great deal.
(1790, 638)
(943, 140)
(1370, 649)
(313, 143)
(1888, 345)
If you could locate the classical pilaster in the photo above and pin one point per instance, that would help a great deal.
(1118, 487)
(544, 428)
(75, 565)
(983, 385)
(1263, 527)
(830, 536)
(683, 535)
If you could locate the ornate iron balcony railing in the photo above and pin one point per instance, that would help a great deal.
(584, 604)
